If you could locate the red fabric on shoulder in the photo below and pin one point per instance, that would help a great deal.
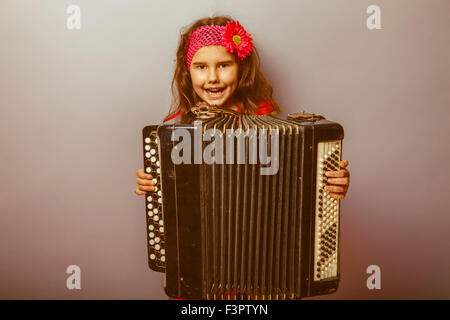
(172, 117)
(264, 107)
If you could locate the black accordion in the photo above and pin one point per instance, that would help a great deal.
(239, 210)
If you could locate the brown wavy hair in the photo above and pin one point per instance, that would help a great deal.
(252, 87)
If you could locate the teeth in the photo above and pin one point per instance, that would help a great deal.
(215, 93)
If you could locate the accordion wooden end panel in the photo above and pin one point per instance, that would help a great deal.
(245, 215)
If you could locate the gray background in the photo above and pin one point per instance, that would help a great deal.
(73, 103)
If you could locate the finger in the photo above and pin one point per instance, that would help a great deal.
(336, 188)
(141, 174)
(343, 163)
(338, 196)
(139, 192)
(146, 188)
(337, 174)
(340, 181)
(145, 182)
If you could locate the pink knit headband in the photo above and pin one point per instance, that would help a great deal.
(232, 36)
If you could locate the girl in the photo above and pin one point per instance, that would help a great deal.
(217, 64)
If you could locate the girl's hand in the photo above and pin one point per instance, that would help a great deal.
(145, 182)
(339, 181)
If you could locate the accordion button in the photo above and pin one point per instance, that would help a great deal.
(152, 256)
(163, 259)
(147, 140)
(147, 147)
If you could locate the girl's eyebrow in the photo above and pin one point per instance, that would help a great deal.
(220, 62)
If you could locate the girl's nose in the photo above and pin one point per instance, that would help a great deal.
(213, 76)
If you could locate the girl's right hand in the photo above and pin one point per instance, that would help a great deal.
(145, 182)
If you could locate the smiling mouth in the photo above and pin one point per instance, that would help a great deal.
(215, 93)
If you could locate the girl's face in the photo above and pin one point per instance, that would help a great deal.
(214, 75)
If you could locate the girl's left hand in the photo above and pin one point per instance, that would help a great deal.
(339, 181)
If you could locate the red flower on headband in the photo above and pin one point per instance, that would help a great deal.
(235, 38)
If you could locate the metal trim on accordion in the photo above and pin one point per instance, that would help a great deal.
(226, 231)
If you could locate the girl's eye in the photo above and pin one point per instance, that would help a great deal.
(200, 67)
(223, 65)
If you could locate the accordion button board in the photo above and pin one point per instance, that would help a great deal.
(327, 213)
(153, 202)
(226, 231)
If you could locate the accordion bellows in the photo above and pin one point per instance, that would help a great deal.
(244, 215)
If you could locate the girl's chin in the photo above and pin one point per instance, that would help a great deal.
(216, 102)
